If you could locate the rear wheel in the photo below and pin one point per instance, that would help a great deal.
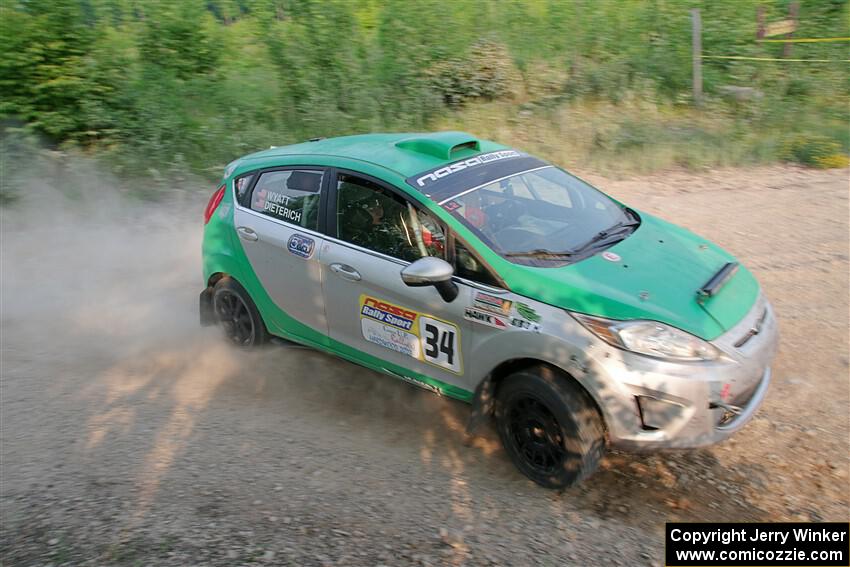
(237, 315)
(549, 426)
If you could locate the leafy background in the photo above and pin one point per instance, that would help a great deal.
(157, 89)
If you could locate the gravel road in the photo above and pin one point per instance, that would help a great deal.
(130, 436)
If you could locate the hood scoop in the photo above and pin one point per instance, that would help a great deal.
(442, 145)
(713, 286)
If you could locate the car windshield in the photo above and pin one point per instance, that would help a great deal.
(542, 216)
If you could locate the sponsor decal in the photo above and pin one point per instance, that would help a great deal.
(451, 206)
(411, 333)
(525, 325)
(465, 164)
(301, 245)
(491, 303)
(611, 256)
(388, 313)
(390, 337)
(725, 392)
(527, 312)
(485, 318)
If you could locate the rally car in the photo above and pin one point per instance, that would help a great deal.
(486, 274)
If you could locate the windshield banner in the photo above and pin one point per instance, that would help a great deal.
(448, 180)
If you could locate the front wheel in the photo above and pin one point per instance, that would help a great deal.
(549, 426)
(237, 315)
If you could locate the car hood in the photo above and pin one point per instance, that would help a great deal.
(653, 274)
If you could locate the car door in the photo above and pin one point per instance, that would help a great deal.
(278, 222)
(375, 233)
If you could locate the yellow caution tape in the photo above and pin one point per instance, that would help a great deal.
(804, 40)
(742, 58)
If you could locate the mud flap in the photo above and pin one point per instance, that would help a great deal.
(206, 308)
(483, 404)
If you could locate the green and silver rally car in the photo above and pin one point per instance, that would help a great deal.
(486, 274)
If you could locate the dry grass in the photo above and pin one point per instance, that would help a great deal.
(636, 135)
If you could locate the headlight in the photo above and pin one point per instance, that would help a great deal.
(650, 338)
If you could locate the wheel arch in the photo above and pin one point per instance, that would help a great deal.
(216, 276)
(207, 295)
(483, 401)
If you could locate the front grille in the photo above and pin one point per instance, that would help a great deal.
(752, 331)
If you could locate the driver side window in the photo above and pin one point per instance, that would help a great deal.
(375, 218)
(469, 267)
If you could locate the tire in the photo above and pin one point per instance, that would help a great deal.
(549, 427)
(237, 315)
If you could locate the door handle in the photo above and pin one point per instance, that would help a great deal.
(246, 233)
(346, 272)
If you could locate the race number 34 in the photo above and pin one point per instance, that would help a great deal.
(440, 343)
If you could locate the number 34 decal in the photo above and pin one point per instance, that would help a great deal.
(440, 343)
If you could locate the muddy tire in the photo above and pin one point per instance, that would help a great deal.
(237, 315)
(549, 426)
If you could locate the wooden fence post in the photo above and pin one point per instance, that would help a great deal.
(793, 12)
(696, 48)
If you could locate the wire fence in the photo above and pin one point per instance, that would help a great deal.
(786, 40)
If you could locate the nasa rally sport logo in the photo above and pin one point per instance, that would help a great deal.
(388, 313)
(464, 164)
(301, 245)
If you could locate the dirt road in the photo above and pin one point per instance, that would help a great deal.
(132, 437)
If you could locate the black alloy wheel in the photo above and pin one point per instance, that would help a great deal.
(536, 434)
(550, 426)
(237, 315)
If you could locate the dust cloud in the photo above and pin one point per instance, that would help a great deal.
(100, 281)
(85, 259)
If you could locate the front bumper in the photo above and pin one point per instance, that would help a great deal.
(653, 404)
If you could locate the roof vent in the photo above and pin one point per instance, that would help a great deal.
(442, 145)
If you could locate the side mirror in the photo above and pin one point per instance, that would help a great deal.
(431, 271)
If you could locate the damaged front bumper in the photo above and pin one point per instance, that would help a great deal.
(654, 404)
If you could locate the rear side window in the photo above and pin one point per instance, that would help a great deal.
(291, 196)
(241, 184)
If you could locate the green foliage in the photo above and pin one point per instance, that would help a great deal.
(162, 87)
(815, 151)
(485, 73)
(44, 69)
(179, 37)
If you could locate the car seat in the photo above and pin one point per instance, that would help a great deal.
(355, 223)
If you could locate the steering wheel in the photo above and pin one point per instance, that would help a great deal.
(504, 214)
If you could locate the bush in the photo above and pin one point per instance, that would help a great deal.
(834, 160)
(487, 73)
(814, 151)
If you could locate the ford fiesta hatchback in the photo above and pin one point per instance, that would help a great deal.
(486, 274)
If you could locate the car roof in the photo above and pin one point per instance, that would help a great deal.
(404, 153)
